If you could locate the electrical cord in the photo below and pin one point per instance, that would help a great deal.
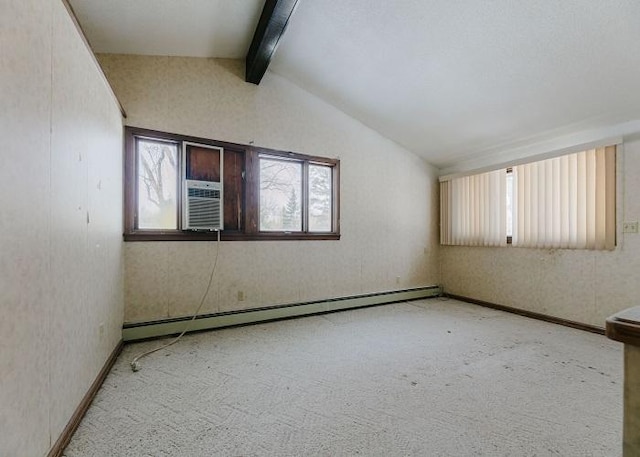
(135, 366)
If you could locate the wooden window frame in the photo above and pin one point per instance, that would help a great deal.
(305, 161)
(250, 230)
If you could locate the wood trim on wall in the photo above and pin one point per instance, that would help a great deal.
(530, 314)
(63, 440)
(85, 40)
(226, 236)
(252, 193)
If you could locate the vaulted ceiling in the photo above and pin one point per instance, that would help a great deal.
(449, 80)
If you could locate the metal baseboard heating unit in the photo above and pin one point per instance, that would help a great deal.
(202, 205)
(133, 331)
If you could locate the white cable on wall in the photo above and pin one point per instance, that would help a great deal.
(135, 366)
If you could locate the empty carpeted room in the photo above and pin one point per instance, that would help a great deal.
(318, 227)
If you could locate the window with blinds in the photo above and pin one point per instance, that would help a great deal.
(563, 202)
(473, 210)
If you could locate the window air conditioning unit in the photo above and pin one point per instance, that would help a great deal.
(202, 205)
(202, 201)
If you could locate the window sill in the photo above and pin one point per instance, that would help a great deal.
(149, 235)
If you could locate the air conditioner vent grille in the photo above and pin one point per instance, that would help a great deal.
(204, 212)
(203, 205)
(204, 193)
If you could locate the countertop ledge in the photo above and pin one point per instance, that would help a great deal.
(625, 326)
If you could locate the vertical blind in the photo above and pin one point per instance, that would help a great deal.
(473, 210)
(567, 201)
(563, 202)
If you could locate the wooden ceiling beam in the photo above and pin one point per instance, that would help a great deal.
(271, 26)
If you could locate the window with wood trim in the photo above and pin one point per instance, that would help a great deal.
(266, 194)
(296, 195)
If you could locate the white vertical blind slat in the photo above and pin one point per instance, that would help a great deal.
(566, 202)
(473, 210)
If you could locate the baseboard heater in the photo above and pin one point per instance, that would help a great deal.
(166, 327)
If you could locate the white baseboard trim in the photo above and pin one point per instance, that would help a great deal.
(166, 327)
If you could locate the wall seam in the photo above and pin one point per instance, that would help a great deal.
(49, 232)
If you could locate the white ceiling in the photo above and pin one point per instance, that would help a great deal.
(196, 28)
(449, 80)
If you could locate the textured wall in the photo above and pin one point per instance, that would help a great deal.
(584, 286)
(60, 276)
(388, 195)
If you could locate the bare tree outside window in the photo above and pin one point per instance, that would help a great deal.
(320, 194)
(280, 195)
(157, 185)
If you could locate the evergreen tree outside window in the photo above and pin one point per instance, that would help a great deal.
(295, 195)
(280, 192)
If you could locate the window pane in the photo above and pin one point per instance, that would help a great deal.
(280, 195)
(509, 203)
(320, 193)
(157, 185)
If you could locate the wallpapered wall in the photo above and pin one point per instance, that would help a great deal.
(579, 285)
(388, 195)
(60, 274)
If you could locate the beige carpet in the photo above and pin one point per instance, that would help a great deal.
(423, 378)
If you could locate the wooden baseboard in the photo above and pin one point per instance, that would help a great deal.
(531, 314)
(78, 414)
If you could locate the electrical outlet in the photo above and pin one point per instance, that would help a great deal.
(630, 227)
(101, 329)
(240, 295)
(397, 279)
